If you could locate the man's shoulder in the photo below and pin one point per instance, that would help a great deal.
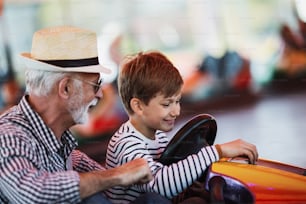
(13, 119)
(14, 123)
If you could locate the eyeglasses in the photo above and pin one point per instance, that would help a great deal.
(96, 86)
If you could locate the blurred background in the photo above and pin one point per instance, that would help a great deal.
(243, 61)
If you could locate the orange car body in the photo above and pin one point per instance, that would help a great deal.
(265, 182)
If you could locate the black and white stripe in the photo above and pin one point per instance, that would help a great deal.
(127, 144)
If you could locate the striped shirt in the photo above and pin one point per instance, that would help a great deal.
(127, 144)
(34, 166)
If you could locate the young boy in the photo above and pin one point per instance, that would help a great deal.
(150, 88)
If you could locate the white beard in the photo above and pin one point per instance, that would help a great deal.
(80, 113)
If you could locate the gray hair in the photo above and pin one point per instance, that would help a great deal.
(41, 82)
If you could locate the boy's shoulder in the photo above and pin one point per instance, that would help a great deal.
(126, 132)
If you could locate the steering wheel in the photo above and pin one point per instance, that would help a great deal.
(198, 132)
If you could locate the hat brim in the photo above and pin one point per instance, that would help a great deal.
(32, 63)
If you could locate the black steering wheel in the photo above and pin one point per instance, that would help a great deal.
(198, 132)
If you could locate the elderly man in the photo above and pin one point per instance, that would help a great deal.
(38, 160)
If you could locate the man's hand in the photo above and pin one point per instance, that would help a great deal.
(134, 172)
(239, 148)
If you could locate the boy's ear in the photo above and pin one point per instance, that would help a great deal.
(136, 105)
(64, 88)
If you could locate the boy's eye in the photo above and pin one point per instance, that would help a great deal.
(166, 104)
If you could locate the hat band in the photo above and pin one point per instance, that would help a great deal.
(73, 63)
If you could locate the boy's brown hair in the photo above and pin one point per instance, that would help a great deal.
(146, 74)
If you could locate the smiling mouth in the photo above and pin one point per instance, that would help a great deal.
(170, 121)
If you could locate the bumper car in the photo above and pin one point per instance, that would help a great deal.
(234, 180)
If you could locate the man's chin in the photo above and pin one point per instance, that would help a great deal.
(82, 121)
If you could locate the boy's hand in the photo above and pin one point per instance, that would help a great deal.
(239, 148)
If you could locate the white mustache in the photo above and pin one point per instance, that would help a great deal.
(94, 102)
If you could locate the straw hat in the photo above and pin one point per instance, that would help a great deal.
(64, 49)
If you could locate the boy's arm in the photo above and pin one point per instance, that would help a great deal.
(171, 180)
(175, 178)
